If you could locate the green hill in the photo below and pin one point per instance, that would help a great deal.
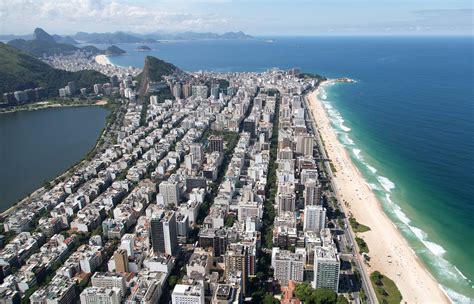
(154, 70)
(92, 49)
(114, 51)
(19, 71)
(38, 48)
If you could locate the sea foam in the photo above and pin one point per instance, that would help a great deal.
(462, 274)
(433, 247)
(357, 153)
(456, 297)
(420, 234)
(372, 169)
(387, 184)
(444, 267)
(335, 116)
(346, 139)
(344, 128)
(373, 186)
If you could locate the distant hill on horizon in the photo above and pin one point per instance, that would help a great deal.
(114, 50)
(122, 37)
(46, 44)
(125, 37)
(111, 38)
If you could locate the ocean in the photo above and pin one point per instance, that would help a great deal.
(39, 145)
(408, 124)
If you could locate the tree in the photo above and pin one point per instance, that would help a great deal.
(230, 220)
(257, 296)
(324, 296)
(309, 295)
(341, 300)
(377, 278)
(269, 299)
(172, 281)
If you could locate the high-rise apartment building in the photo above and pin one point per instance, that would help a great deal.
(171, 192)
(288, 266)
(114, 81)
(121, 260)
(200, 91)
(314, 218)
(312, 192)
(305, 144)
(216, 143)
(326, 268)
(163, 232)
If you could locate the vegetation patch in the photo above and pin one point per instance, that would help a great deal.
(363, 248)
(358, 227)
(385, 289)
(309, 295)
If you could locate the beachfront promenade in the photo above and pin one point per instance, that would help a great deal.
(348, 233)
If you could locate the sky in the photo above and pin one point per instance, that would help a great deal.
(256, 17)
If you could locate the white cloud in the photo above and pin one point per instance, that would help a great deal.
(104, 16)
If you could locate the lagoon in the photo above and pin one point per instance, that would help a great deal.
(37, 146)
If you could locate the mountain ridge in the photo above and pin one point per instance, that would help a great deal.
(44, 44)
(130, 37)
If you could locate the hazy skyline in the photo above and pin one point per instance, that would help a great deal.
(261, 17)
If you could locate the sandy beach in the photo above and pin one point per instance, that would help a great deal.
(102, 59)
(389, 251)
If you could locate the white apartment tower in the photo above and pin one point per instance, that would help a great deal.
(170, 192)
(196, 151)
(288, 266)
(314, 218)
(305, 144)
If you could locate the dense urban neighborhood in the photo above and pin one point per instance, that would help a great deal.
(204, 188)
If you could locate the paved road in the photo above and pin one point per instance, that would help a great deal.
(348, 233)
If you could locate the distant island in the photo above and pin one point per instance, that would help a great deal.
(143, 48)
(114, 51)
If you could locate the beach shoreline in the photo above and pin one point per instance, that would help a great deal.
(48, 105)
(389, 252)
(103, 60)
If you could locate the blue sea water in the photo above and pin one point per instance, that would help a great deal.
(408, 124)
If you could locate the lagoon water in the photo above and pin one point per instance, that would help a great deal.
(39, 145)
(408, 124)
